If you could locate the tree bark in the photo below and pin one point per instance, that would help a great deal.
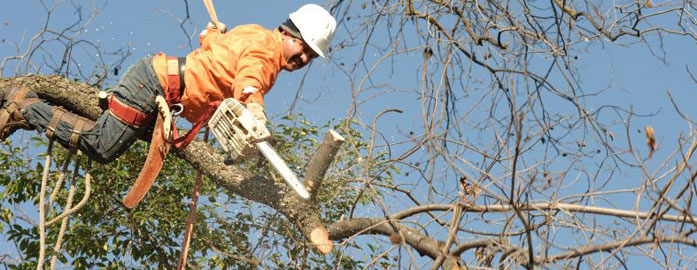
(82, 99)
(318, 165)
(424, 245)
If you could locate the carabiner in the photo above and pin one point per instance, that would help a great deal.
(176, 108)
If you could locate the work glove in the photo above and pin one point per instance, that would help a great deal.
(211, 27)
(258, 111)
(223, 27)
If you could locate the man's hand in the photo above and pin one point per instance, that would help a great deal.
(211, 27)
(258, 111)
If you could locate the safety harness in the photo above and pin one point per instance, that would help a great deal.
(131, 116)
(127, 114)
(136, 118)
(161, 138)
(175, 91)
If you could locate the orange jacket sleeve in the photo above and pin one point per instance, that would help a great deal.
(245, 57)
(254, 68)
(211, 35)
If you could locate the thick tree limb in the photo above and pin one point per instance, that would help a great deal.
(82, 99)
(76, 96)
(317, 168)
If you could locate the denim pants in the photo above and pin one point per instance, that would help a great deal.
(110, 137)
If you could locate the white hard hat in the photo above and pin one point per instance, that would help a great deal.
(316, 27)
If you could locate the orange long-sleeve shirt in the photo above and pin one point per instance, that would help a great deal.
(227, 65)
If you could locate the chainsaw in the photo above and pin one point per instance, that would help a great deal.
(237, 131)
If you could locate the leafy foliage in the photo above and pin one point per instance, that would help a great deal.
(230, 233)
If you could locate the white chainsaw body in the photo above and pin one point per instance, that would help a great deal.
(237, 132)
(236, 129)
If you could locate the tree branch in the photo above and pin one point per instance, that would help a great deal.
(82, 99)
(421, 243)
(317, 168)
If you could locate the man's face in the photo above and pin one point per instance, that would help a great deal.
(297, 53)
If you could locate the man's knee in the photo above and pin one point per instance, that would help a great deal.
(102, 158)
(97, 140)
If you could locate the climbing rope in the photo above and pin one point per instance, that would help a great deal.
(42, 208)
(181, 265)
(68, 209)
(64, 222)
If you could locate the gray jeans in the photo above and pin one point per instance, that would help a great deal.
(110, 137)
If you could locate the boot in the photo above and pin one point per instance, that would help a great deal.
(13, 100)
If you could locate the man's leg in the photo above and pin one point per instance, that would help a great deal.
(102, 140)
(12, 101)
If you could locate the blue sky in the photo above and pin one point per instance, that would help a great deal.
(636, 77)
(150, 27)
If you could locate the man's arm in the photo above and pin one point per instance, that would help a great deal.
(255, 72)
(211, 33)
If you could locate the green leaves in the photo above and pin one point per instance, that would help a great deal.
(228, 233)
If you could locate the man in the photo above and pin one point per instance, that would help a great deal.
(242, 63)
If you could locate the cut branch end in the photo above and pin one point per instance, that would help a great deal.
(319, 237)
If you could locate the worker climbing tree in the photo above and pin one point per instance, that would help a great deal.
(473, 135)
(239, 65)
(242, 64)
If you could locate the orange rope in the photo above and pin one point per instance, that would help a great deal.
(211, 12)
(181, 265)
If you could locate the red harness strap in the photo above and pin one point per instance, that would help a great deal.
(173, 96)
(174, 82)
(135, 118)
(181, 142)
(127, 114)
